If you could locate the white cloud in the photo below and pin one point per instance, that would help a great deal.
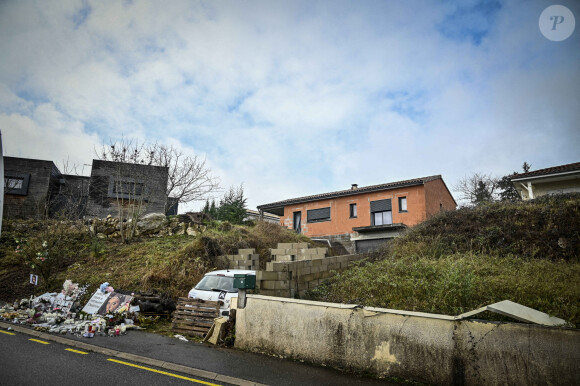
(293, 98)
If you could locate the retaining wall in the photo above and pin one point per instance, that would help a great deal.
(290, 278)
(423, 347)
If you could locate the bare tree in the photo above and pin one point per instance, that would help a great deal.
(189, 178)
(477, 188)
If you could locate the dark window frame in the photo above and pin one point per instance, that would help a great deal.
(400, 206)
(23, 190)
(318, 215)
(115, 182)
(383, 207)
(384, 212)
(353, 213)
(297, 227)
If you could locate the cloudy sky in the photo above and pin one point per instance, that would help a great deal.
(294, 98)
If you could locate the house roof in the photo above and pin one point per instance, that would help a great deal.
(349, 192)
(548, 171)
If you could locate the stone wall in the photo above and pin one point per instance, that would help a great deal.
(153, 224)
(427, 348)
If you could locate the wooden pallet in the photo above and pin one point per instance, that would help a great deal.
(195, 317)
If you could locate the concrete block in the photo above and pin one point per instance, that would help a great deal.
(333, 266)
(255, 256)
(344, 265)
(279, 251)
(282, 284)
(268, 284)
(303, 271)
(322, 251)
(310, 277)
(280, 266)
(265, 275)
(246, 251)
(331, 259)
(285, 245)
(316, 262)
(266, 292)
(284, 258)
(299, 245)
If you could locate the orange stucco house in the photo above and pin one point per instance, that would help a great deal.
(360, 219)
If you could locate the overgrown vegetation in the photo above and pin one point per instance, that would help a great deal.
(171, 264)
(527, 252)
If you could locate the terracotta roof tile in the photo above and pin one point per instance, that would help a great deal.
(550, 170)
(350, 192)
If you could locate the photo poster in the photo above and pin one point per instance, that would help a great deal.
(33, 279)
(108, 303)
(96, 302)
(115, 303)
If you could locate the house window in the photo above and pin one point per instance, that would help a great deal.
(352, 210)
(13, 183)
(402, 204)
(318, 215)
(381, 212)
(126, 188)
(298, 222)
(17, 184)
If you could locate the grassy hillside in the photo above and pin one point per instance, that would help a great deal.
(170, 264)
(527, 252)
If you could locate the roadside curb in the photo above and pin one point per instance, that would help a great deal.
(131, 357)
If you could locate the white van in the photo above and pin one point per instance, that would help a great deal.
(219, 285)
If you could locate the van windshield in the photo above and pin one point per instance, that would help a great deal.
(216, 283)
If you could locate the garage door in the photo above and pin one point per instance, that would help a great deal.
(363, 246)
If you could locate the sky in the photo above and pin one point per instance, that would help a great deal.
(293, 98)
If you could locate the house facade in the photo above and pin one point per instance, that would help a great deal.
(29, 186)
(254, 215)
(118, 186)
(36, 188)
(360, 219)
(552, 180)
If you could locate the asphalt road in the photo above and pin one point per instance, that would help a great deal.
(26, 360)
(23, 361)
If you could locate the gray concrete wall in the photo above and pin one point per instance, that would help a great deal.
(102, 201)
(424, 347)
(33, 203)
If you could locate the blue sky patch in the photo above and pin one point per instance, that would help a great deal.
(470, 23)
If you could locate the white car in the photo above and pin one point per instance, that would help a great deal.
(218, 285)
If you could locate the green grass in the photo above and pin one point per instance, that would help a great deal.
(459, 261)
(170, 264)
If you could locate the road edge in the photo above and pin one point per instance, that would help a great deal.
(132, 357)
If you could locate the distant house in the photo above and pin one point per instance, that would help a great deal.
(255, 216)
(117, 185)
(552, 180)
(37, 188)
(29, 187)
(363, 218)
